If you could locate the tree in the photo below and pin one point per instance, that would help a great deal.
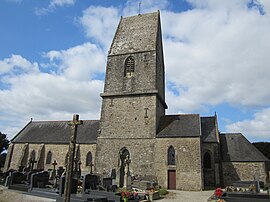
(263, 147)
(4, 142)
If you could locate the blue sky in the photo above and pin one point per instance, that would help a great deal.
(53, 59)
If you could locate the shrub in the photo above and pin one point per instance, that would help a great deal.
(163, 191)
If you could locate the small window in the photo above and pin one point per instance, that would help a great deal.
(49, 157)
(207, 160)
(129, 66)
(171, 156)
(89, 159)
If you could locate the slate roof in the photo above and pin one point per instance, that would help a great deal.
(179, 126)
(236, 148)
(209, 129)
(57, 132)
(135, 34)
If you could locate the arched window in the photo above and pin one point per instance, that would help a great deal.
(129, 66)
(33, 155)
(49, 157)
(89, 159)
(207, 160)
(171, 156)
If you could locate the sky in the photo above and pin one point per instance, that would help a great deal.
(53, 59)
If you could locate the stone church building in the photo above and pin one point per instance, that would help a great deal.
(183, 151)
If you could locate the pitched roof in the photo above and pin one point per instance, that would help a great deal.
(135, 34)
(57, 132)
(236, 148)
(179, 126)
(209, 129)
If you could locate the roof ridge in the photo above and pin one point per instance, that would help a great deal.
(43, 121)
(132, 16)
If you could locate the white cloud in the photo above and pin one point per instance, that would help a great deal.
(80, 62)
(52, 96)
(100, 24)
(216, 56)
(53, 5)
(215, 53)
(17, 63)
(257, 127)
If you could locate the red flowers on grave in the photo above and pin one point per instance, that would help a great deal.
(125, 195)
(218, 192)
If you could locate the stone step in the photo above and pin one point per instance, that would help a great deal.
(19, 187)
(47, 193)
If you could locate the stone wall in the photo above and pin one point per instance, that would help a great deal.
(17, 156)
(211, 175)
(188, 162)
(143, 78)
(245, 171)
(126, 117)
(59, 152)
(141, 155)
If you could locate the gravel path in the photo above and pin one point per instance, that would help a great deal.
(187, 196)
(7, 195)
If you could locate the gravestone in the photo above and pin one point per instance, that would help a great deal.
(8, 177)
(107, 183)
(39, 180)
(60, 171)
(145, 182)
(29, 174)
(73, 189)
(18, 178)
(53, 175)
(90, 182)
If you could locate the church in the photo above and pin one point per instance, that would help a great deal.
(183, 151)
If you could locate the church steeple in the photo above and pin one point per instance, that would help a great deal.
(135, 59)
(134, 81)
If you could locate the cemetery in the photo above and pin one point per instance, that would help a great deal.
(89, 187)
(67, 184)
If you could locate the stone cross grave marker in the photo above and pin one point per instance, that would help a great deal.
(54, 170)
(32, 161)
(91, 167)
(72, 144)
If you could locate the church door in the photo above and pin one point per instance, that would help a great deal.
(171, 179)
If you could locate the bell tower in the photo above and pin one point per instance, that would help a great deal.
(134, 96)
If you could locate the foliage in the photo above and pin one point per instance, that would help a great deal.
(163, 191)
(263, 147)
(4, 142)
(2, 159)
